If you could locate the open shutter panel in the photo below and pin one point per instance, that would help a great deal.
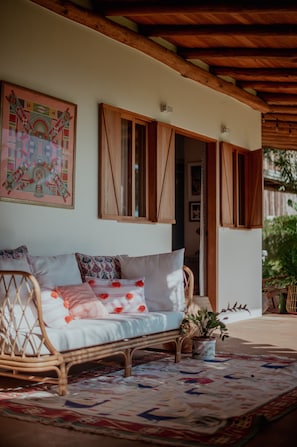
(109, 162)
(165, 173)
(256, 187)
(226, 174)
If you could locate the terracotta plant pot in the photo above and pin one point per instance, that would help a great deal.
(203, 348)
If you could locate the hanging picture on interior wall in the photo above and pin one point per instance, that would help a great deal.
(194, 175)
(194, 212)
(37, 152)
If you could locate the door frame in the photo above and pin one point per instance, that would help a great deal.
(211, 210)
(212, 224)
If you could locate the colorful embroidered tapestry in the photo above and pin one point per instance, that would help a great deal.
(38, 147)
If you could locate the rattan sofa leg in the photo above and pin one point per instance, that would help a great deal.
(128, 362)
(63, 380)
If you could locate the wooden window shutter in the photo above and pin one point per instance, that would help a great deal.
(162, 163)
(256, 187)
(227, 185)
(253, 187)
(109, 162)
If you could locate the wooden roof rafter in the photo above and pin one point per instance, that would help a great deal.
(247, 51)
(153, 7)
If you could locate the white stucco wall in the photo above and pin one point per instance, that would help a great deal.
(240, 277)
(47, 53)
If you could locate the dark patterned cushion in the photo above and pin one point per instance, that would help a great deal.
(15, 259)
(103, 267)
(14, 253)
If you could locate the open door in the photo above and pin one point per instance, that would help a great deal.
(190, 203)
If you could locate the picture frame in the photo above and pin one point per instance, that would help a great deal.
(194, 211)
(195, 180)
(37, 147)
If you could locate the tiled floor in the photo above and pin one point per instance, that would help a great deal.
(272, 334)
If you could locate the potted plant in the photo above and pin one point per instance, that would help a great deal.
(203, 327)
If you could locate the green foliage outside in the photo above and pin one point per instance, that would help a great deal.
(285, 163)
(280, 242)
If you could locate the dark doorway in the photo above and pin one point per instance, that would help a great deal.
(190, 216)
(178, 230)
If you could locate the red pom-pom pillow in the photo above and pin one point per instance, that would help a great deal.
(55, 312)
(82, 301)
(120, 295)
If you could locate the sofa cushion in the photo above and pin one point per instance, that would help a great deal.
(55, 313)
(82, 301)
(14, 252)
(85, 333)
(104, 267)
(164, 287)
(52, 271)
(120, 295)
(15, 259)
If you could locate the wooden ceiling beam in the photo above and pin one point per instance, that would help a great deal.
(258, 74)
(267, 126)
(279, 133)
(219, 30)
(291, 139)
(270, 86)
(272, 127)
(124, 8)
(279, 146)
(283, 109)
(280, 99)
(134, 40)
(226, 52)
(285, 140)
(279, 117)
(277, 143)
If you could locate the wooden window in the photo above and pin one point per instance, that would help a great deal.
(133, 159)
(241, 187)
(136, 167)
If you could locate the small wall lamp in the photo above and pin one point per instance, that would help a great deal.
(165, 108)
(225, 131)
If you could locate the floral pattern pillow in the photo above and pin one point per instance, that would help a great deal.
(120, 295)
(104, 267)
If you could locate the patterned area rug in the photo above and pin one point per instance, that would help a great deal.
(223, 402)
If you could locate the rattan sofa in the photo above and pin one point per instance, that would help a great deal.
(32, 351)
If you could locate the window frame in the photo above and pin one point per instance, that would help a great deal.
(160, 167)
(241, 189)
(131, 176)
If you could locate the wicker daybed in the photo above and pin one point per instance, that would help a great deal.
(29, 350)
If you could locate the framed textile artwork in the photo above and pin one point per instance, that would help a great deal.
(37, 153)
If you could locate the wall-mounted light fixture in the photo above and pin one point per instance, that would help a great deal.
(165, 108)
(225, 131)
